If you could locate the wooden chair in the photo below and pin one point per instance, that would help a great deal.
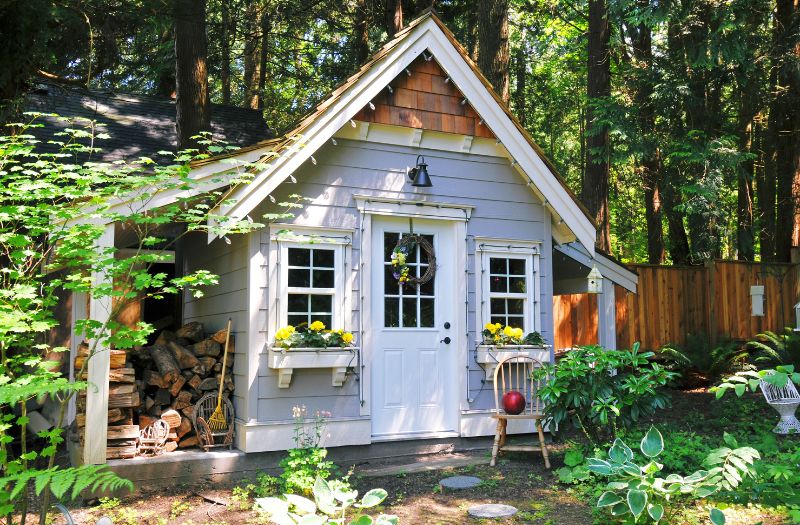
(514, 373)
(207, 437)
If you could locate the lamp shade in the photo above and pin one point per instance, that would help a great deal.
(419, 174)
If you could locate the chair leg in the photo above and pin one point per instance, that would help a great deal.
(503, 432)
(542, 443)
(496, 446)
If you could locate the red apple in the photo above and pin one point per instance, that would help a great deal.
(513, 402)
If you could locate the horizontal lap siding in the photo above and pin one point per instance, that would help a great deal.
(228, 299)
(503, 207)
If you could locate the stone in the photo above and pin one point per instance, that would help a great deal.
(459, 482)
(491, 510)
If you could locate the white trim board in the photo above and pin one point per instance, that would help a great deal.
(422, 209)
(279, 435)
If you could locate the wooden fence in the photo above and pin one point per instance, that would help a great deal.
(673, 301)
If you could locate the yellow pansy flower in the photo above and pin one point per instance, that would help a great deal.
(508, 331)
(347, 337)
(284, 333)
(316, 326)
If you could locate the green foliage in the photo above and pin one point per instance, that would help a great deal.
(302, 466)
(741, 382)
(697, 355)
(601, 390)
(773, 349)
(331, 506)
(637, 492)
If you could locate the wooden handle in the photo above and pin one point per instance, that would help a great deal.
(224, 362)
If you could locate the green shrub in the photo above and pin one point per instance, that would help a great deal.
(773, 349)
(698, 356)
(601, 390)
(637, 492)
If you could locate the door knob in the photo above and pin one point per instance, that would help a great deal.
(447, 325)
(446, 340)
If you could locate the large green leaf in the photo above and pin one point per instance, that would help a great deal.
(717, 517)
(372, 498)
(599, 466)
(656, 512)
(637, 501)
(608, 499)
(652, 443)
(301, 505)
(620, 452)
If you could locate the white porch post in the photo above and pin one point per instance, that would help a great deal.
(607, 316)
(94, 451)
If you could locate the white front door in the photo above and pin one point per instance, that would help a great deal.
(415, 375)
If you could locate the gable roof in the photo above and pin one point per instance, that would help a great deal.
(280, 158)
(138, 125)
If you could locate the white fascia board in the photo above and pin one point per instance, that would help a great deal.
(506, 131)
(246, 197)
(608, 268)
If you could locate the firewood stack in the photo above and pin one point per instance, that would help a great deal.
(164, 381)
(175, 372)
(123, 397)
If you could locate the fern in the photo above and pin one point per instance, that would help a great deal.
(773, 349)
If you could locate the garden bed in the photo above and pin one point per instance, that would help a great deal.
(695, 423)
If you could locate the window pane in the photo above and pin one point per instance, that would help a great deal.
(389, 242)
(497, 265)
(412, 255)
(516, 266)
(516, 284)
(498, 284)
(390, 284)
(321, 303)
(426, 313)
(297, 319)
(424, 257)
(391, 312)
(297, 303)
(515, 306)
(497, 306)
(428, 288)
(299, 257)
(323, 278)
(323, 258)
(516, 322)
(498, 319)
(409, 312)
(299, 277)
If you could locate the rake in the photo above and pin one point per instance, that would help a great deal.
(218, 421)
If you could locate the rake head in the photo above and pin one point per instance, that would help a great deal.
(217, 420)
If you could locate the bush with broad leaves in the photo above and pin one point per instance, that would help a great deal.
(638, 494)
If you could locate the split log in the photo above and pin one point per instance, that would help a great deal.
(188, 411)
(125, 388)
(186, 442)
(148, 403)
(128, 451)
(162, 397)
(172, 436)
(116, 375)
(208, 363)
(194, 382)
(165, 337)
(183, 400)
(123, 400)
(220, 336)
(145, 420)
(117, 359)
(155, 411)
(209, 383)
(114, 415)
(153, 378)
(170, 446)
(185, 358)
(123, 432)
(177, 385)
(184, 428)
(165, 363)
(172, 417)
(193, 331)
(209, 347)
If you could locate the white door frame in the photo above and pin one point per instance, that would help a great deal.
(458, 215)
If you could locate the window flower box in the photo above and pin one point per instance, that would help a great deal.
(489, 355)
(336, 358)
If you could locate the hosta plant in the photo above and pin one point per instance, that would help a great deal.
(639, 494)
(751, 379)
(331, 506)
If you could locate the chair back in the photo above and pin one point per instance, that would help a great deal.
(514, 374)
(773, 393)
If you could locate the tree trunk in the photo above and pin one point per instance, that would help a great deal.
(266, 29)
(394, 17)
(642, 39)
(361, 33)
(493, 50)
(228, 35)
(594, 192)
(785, 122)
(191, 73)
(252, 54)
(745, 240)
(520, 66)
(165, 82)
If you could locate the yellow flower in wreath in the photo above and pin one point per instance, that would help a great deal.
(316, 326)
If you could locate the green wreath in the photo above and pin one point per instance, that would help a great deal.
(404, 247)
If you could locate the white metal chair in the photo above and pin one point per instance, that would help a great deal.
(785, 401)
(514, 374)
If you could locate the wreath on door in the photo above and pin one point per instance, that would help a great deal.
(405, 246)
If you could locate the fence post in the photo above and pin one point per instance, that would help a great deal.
(711, 272)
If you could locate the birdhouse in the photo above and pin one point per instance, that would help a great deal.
(797, 317)
(595, 281)
(757, 300)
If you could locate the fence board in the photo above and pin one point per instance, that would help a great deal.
(674, 301)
